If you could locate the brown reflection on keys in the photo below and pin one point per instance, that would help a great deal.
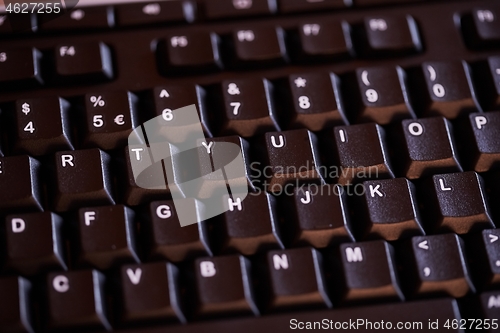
(362, 153)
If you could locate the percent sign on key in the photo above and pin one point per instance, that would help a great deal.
(98, 101)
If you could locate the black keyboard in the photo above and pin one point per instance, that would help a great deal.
(370, 135)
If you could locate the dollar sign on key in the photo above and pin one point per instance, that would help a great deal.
(26, 108)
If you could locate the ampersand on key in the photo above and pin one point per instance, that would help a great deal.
(233, 89)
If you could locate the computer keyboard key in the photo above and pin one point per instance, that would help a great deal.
(34, 243)
(490, 248)
(76, 299)
(311, 204)
(316, 101)
(237, 8)
(150, 183)
(487, 77)
(440, 266)
(222, 152)
(43, 126)
(168, 239)
(109, 118)
(15, 308)
(106, 236)
(156, 12)
(487, 24)
(429, 147)
(450, 92)
(250, 225)
(82, 178)
(293, 6)
(490, 308)
(362, 153)
(369, 271)
(20, 184)
(297, 279)
(17, 23)
(325, 40)
(391, 208)
(150, 292)
(452, 191)
(260, 45)
(171, 97)
(391, 35)
(89, 18)
(383, 94)
(294, 158)
(486, 143)
(224, 286)
(190, 51)
(83, 61)
(20, 66)
(248, 108)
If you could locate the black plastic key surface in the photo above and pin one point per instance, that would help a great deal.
(392, 209)
(222, 151)
(43, 126)
(450, 92)
(452, 191)
(248, 108)
(224, 286)
(15, 312)
(490, 308)
(294, 158)
(383, 94)
(321, 216)
(490, 247)
(34, 243)
(369, 271)
(76, 299)
(325, 40)
(487, 24)
(250, 225)
(169, 240)
(106, 236)
(190, 51)
(156, 12)
(390, 35)
(83, 61)
(260, 45)
(237, 8)
(488, 80)
(90, 18)
(486, 143)
(20, 184)
(150, 183)
(110, 117)
(290, 6)
(297, 279)
(362, 153)
(429, 147)
(316, 101)
(171, 97)
(20, 66)
(82, 178)
(440, 267)
(150, 292)
(17, 23)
